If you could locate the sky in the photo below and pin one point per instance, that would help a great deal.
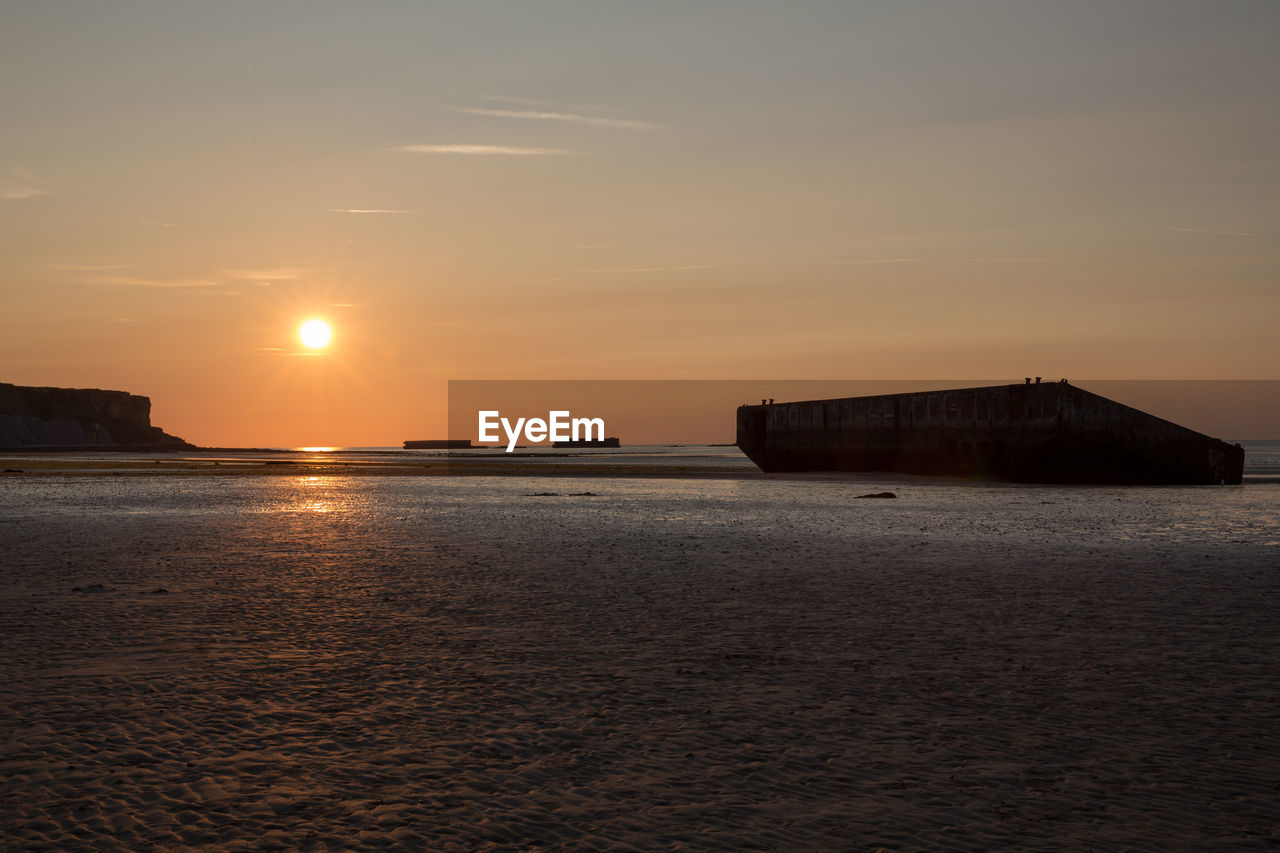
(618, 190)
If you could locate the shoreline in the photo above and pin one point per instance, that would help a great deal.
(40, 465)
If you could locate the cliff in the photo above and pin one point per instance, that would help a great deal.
(79, 417)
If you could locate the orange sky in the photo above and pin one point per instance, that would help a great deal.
(574, 189)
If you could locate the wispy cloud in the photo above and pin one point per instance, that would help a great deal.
(88, 267)
(345, 305)
(22, 184)
(438, 323)
(641, 269)
(863, 262)
(1214, 231)
(573, 118)
(157, 223)
(969, 260)
(276, 274)
(535, 102)
(133, 281)
(484, 150)
(368, 210)
(995, 260)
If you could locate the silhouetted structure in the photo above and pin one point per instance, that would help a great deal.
(1040, 433)
(438, 444)
(611, 441)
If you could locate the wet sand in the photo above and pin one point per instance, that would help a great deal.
(365, 663)
(367, 465)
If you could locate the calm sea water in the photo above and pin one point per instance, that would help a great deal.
(1261, 460)
(741, 515)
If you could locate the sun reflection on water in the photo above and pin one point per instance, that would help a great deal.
(315, 496)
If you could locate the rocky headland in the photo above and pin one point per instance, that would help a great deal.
(89, 418)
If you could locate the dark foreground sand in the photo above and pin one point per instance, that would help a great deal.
(320, 677)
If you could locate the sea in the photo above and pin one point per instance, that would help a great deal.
(823, 507)
(1261, 459)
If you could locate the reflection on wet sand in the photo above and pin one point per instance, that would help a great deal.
(324, 662)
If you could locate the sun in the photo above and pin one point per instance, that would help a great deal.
(315, 334)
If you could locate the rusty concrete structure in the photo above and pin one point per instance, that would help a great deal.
(1041, 432)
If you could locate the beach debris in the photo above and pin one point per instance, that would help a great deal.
(879, 495)
(13, 470)
(158, 591)
(93, 587)
(543, 495)
(583, 495)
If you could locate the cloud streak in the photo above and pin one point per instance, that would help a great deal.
(572, 118)
(859, 263)
(878, 261)
(367, 210)
(1214, 231)
(133, 281)
(485, 150)
(537, 102)
(280, 274)
(22, 184)
(641, 269)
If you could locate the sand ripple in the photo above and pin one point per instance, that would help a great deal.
(392, 672)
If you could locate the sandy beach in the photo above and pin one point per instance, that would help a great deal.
(332, 663)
